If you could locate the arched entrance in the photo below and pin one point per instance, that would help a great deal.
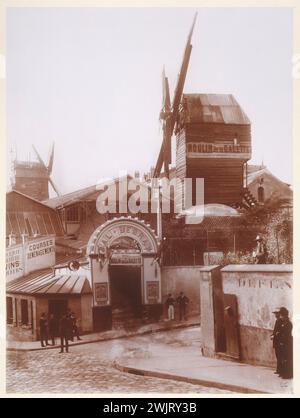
(126, 274)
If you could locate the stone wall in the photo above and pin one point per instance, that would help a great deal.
(259, 290)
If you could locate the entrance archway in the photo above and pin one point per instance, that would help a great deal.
(125, 272)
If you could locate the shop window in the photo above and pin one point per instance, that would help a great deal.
(9, 310)
(24, 311)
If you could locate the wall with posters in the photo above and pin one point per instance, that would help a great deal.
(36, 254)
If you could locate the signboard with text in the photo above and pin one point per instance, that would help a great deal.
(40, 254)
(14, 262)
(25, 258)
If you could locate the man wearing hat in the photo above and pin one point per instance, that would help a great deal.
(285, 340)
(260, 255)
(275, 338)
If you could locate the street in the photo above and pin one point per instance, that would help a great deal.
(89, 368)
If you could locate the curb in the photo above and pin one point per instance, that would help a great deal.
(72, 344)
(201, 382)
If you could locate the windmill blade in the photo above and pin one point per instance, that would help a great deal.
(50, 165)
(54, 187)
(165, 117)
(166, 105)
(176, 102)
(38, 156)
(167, 128)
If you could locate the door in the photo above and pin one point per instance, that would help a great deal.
(57, 308)
(231, 326)
(125, 286)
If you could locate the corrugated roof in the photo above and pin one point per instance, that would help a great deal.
(36, 280)
(70, 198)
(48, 283)
(90, 192)
(27, 197)
(214, 108)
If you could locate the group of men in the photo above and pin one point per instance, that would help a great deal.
(283, 343)
(181, 301)
(67, 328)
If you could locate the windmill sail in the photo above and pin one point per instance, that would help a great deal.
(165, 154)
(47, 168)
(51, 159)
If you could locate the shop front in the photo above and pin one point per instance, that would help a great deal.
(126, 274)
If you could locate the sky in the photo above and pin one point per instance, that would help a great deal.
(90, 80)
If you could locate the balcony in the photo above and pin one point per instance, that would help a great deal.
(208, 150)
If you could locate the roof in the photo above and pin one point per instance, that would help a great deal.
(31, 282)
(70, 198)
(262, 170)
(48, 283)
(215, 108)
(252, 168)
(211, 210)
(90, 192)
(212, 216)
(28, 197)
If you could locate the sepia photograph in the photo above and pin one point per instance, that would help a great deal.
(149, 201)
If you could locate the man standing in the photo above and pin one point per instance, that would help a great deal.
(51, 327)
(275, 338)
(170, 303)
(43, 330)
(63, 332)
(75, 330)
(285, 340)
(260, 255)
(182, 301)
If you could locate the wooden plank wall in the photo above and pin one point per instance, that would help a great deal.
(223, 177)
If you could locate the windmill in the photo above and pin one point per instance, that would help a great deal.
(47, 168)
(169, 112)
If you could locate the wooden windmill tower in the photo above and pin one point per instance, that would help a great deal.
(213, 141)
(33, 178)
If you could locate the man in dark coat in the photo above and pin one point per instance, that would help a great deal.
(182, 301)
(51, 328)
(285, 339)
(43, 330)
(64, 333)
(275, 338)
(75, 330)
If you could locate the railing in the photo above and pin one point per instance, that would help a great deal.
(205, 148)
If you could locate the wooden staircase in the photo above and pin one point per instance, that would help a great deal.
(249, 199)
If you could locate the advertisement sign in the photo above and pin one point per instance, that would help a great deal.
(40, 254)
(36, 254)
(101, 293)
(14, 262)
(153, 292)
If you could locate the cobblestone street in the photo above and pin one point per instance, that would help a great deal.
(89, 368)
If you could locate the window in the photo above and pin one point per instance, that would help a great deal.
(72, 214)
(9, 310)
(24, 311)
(261, 194)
